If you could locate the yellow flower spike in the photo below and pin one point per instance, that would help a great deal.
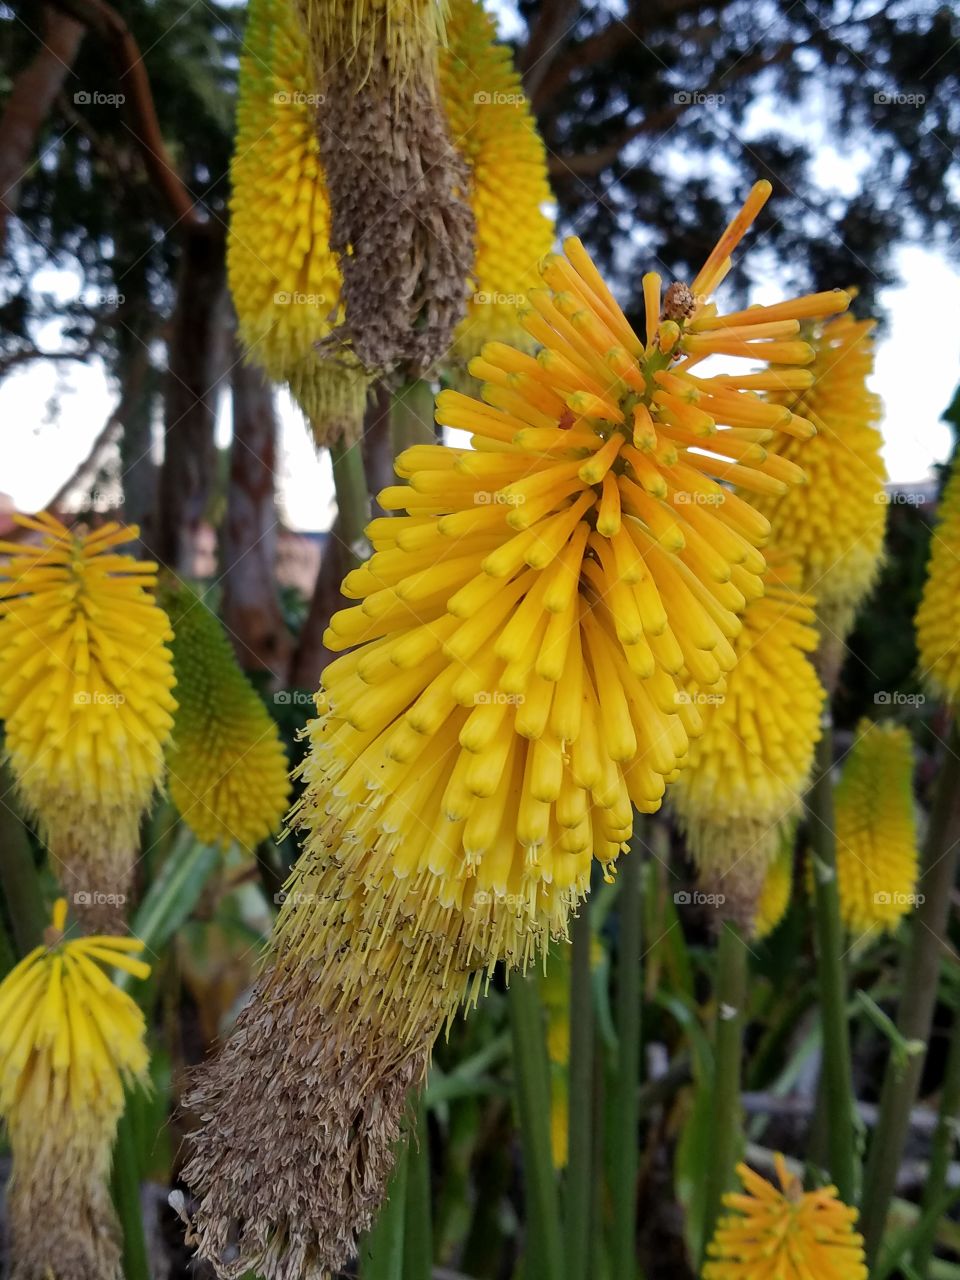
(228, 767)
(70, 1041)
(938, 618)
(748, 771)
(453, 806)
(876, 829)
(283, 275)
(835, 527)
(785, 1232)
(492, 126)
(85, 694)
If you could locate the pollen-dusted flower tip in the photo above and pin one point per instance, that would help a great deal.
(938, 618)
(399, 193)
(786, 1234)
(70, 1040)
(748, 770)
(493, 128)
(85, 681)
(876, 826)
(228, 769)
(776, 892)
(835, 526)
(520, 639)
(284, 277)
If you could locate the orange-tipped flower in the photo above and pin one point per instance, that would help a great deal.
(785, 1234)
(510, 694)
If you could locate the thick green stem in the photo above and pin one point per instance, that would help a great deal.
(838, 1078)
(944, 1140)
(418, 1229)
(353, 501)
(411, 416)
(578, 1197)
(920, 977)
(18, 875)
(626, 1151)
(544, 1247)
(126, 1197)
(725, 1132)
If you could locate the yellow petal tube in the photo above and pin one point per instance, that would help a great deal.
(834, 526)
(284, 277)
(228, 768)
(876, 829)
(69, 1042)
(492, 126)
(85, 693)
(748, 770)
(785, 1232)
(938, 618)
(507, 693)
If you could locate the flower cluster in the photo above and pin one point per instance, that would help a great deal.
(85, 693)
(938, 618)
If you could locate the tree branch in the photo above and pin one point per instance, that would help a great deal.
(590, 163)
(31, 97)
(113, 30)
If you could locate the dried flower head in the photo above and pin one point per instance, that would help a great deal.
(493, 128)
(85, 680)
(228, 768)
(70, 1040)
(835, 528)
(876, 828)
(789, 1234)
(522, 636)
(938, 618)
(400, 219)
(748, 770)
(284, 277)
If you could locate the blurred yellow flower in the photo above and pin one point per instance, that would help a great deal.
(785, 1234)
(748, 771)
(776, 892)
(876, 829)
(85, 693)
(228, 767)
(69, 1042)
(938, 618)
(835, 526)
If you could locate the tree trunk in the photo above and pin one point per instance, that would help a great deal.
(311, 654)
(28, 106)
(194, 368)
(251, 606)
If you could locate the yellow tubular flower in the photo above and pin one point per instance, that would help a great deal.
(748, 771)
(283, 275)
(876, 829)
(493, 128)
(775, 894)
(938, 618)
(85, 680)
(520, 639)
(69, 1042)
(835, 527)
(228, 768)
(790, 1234)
